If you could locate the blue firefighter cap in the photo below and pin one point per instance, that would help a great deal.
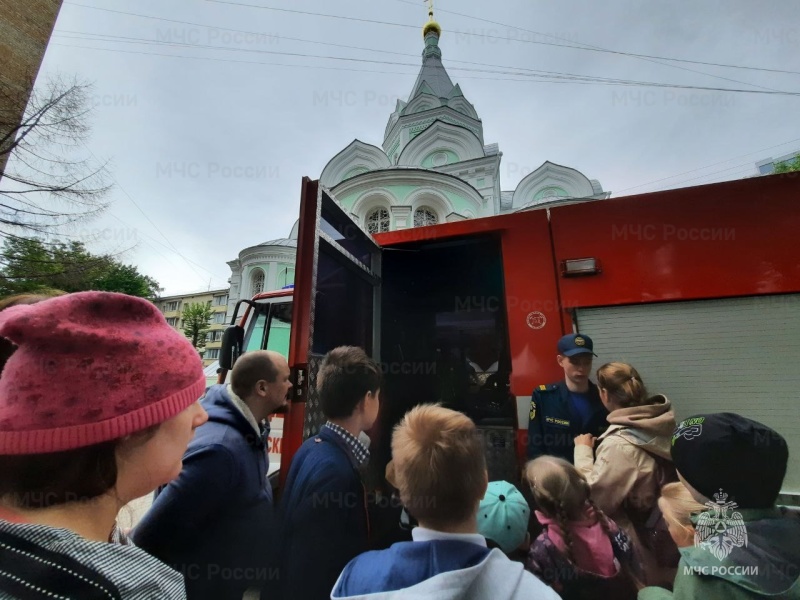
(575, 343)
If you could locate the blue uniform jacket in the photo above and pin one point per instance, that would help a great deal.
(554, 423)
(214, 523)
(324, 515)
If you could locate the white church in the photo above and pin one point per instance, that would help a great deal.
(432, 167)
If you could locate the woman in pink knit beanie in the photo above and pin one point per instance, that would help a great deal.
(98, 402)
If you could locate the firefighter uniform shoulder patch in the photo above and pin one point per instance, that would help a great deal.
(533, 410)
(542, 388)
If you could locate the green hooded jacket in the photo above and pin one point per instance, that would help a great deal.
(768, 566)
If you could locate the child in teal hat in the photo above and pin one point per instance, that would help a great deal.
(503, 518)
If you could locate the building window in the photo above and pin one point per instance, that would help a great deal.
(425, 216)
(172, 321)
(218, 318)
(171, 306)
(214, 336)
(212, 353)
(285, 276)
(257, 282)
(549, 194)
(378, 221)
(221, 300)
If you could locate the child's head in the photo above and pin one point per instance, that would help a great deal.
(99, 396)
(678, 506)
(726, 457)
(559, 490)
(438, 466)
(620, 386)
(503, 516)
(349, 384)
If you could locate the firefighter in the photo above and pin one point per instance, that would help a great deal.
(561, 411)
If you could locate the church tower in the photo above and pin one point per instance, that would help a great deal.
(433, 165)
(448, 127)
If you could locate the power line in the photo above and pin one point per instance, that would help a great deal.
(726, 178)
(372, 21)
(412, 26)
(550, 75)
(144, 214)
(711, 165)
(589, 47)
(295, 39)
(227, 60)
(592, 48)
(132, 40)
(583, 46)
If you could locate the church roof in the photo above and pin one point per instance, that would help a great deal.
(280, 242)
(432, 78)
(290, 242)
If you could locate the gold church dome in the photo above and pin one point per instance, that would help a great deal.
(432, 26)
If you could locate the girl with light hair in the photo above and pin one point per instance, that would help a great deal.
(630, 465)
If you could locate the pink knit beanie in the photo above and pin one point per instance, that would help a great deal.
(91, 367)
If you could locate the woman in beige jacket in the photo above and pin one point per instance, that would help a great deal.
(631, 464)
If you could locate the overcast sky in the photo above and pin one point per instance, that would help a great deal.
(213, 151)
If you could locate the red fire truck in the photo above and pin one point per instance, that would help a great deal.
(699, 288)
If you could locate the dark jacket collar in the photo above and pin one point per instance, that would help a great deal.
(220, 409)
(326, 435)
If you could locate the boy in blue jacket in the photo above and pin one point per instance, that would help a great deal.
(439, 467)
(324, 506)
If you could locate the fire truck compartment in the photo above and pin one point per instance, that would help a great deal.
(444, 339)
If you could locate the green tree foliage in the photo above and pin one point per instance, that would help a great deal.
(32, 265)
(196, 323)
(789, 165)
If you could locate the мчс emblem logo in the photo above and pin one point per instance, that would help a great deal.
(720, 532)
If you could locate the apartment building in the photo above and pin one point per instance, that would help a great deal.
(172, 307)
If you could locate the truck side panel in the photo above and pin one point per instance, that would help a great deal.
(725, 240)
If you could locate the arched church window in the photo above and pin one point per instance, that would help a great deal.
(257, 282)
(378, 221)
(425, 216)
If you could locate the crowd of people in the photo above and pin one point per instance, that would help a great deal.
(99, 406)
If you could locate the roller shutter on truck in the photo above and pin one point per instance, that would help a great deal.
(734, 355)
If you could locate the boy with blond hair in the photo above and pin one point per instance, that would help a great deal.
(439, 468)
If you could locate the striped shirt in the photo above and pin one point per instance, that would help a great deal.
(359, 450)
(39, 562)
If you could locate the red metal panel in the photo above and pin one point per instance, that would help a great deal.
(303, 274)
(736, 238)
(301, 312)
(532, 304)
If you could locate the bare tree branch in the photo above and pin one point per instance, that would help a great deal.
(51, 179)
